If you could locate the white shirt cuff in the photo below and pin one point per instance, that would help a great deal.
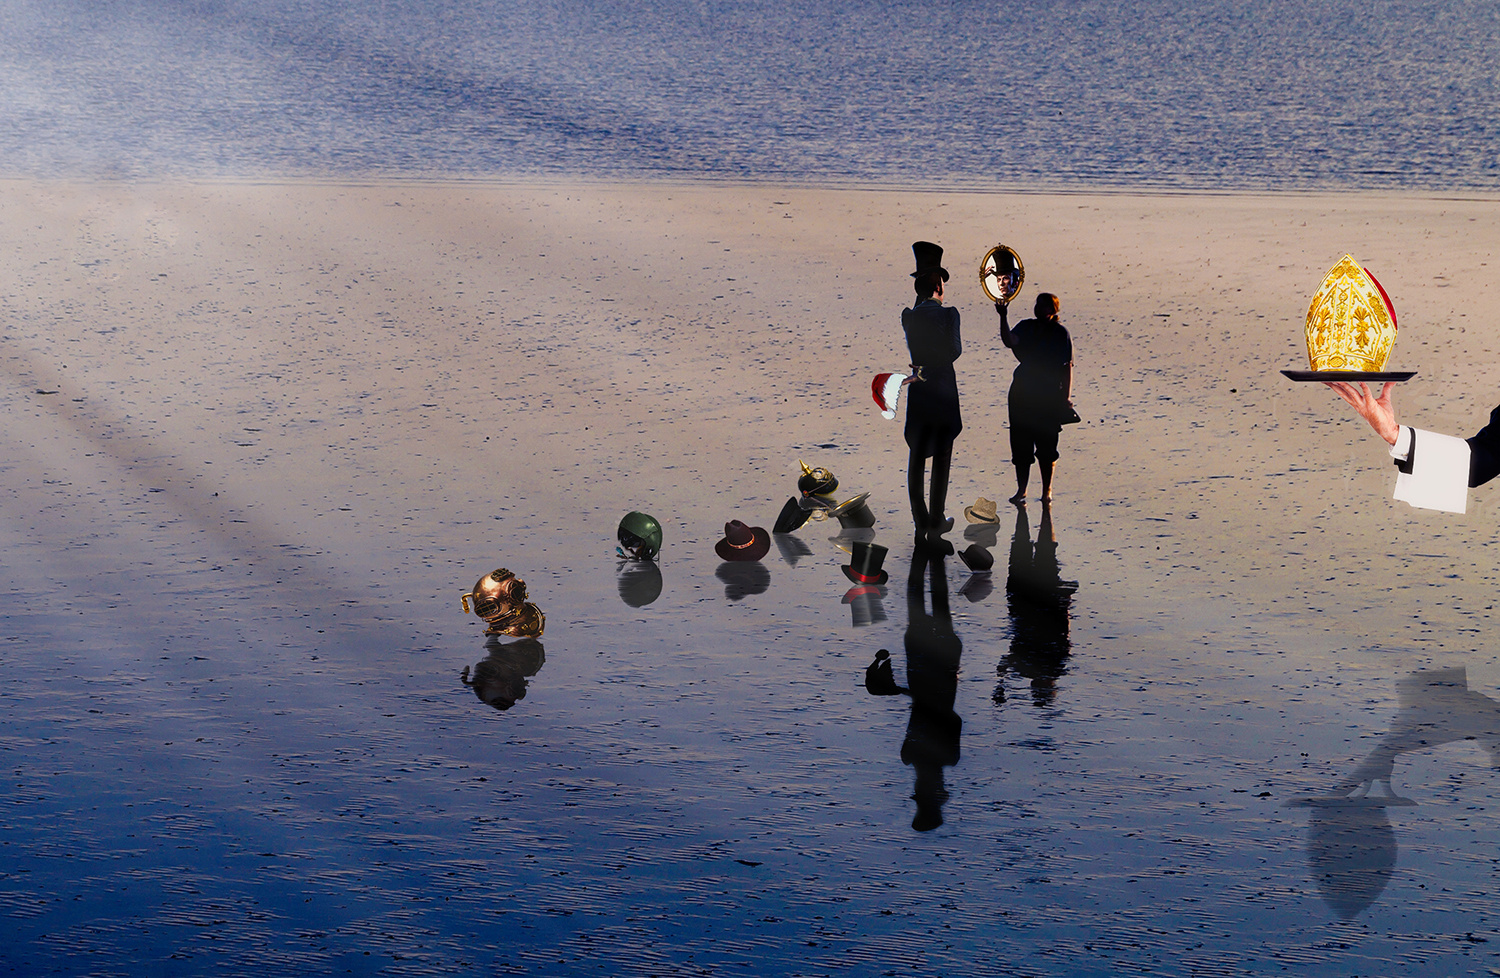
(1402, 449)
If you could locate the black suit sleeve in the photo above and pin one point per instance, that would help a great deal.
(1484, 452)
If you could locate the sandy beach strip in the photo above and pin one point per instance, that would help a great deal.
(481, 366)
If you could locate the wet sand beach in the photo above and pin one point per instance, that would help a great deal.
(259, 437)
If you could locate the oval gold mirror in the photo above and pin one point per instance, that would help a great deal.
(1001, 274)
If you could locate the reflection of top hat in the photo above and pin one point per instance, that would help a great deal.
(929, 259)
(639, 536)
(864, 604)
(816, 482)
(983, 511)
(865, 560)
(743, 542)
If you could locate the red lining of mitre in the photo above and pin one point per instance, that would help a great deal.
(1388, 307)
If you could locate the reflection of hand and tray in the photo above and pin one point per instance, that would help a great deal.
(1351, 845)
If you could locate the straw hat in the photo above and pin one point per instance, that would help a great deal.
(983, 511)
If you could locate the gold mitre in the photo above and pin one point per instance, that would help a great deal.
(1351, 324)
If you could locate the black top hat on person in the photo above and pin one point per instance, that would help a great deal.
(865, 560)
(743, 542)
(929, 259)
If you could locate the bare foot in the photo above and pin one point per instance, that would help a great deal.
(1019, 498)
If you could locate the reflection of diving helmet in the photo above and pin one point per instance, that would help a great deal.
(639, 537)
(500, 679)
(816, 482)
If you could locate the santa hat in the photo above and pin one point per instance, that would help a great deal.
(886, 389)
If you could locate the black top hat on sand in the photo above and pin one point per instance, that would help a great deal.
(854, 513)
(929, 259)
(743, 542)
(865, 560)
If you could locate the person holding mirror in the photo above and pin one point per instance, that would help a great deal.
(1041, 390)
(932, 418)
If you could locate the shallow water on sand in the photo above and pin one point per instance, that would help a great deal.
(236, 734)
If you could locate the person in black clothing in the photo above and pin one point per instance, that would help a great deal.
(932, 418)
(1040, 392)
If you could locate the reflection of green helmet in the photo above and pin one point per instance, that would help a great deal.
(640, 536)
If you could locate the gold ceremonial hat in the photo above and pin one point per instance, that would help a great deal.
(1351, 324)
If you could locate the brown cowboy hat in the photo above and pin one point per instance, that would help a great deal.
(743, 542)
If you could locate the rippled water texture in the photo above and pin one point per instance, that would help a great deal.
(1227, 94)
(258, 438)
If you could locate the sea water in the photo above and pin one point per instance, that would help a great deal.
(1267, 94)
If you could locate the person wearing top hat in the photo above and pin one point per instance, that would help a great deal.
(932, 417)
(1040, 390)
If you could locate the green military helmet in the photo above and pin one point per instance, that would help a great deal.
(639, 536)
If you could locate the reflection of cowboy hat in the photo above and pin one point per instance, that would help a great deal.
(865, 560)
(743, 542)
(929, 259)
(983, 511)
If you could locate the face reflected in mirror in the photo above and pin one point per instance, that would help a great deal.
(1001, 274)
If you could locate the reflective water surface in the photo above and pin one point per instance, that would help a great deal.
(1214, 711)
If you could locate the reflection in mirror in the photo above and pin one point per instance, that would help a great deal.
(1351, 846)
(1001, 274)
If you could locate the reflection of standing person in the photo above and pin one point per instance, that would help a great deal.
(1040, 391)
(1040, 603)
(932, 418)
(932, 654)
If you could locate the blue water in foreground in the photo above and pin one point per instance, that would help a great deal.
(1216, 94)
